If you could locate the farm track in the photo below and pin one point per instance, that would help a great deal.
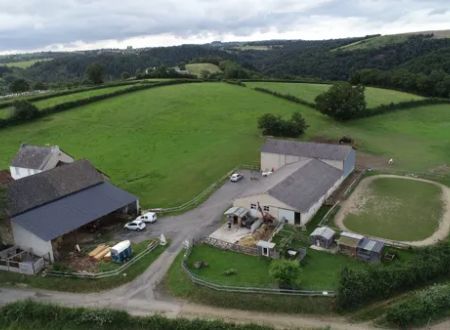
(440, 234)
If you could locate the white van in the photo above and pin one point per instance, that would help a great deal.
(149, 217)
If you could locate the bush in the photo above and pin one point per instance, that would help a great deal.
(428, 304)
(358, 287)
(286, 273)
(277, 126)
(230, 272)
(24, 110)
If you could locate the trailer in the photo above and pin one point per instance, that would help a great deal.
(121, 252)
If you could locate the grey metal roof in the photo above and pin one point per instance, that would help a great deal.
(307, 185)
(371, 245)
(34, 157)
(35, 190)
(237, 211)
(70, 213)
(325, 232)
(307, 149)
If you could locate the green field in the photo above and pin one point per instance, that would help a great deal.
(167, 144)
(308, 92)
(320, 270)
(24, 64)
(397, 209)
(198, 68)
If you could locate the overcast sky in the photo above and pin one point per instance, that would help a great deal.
(30, 25)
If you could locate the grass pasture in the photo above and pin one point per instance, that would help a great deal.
(198, 68)
(320, 270)
(147, 140)
(24, 64)
(308, 92)
(395, 208)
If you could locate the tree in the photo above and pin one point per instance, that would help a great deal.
(19, 86)
(94, 73)
(277, 126)
(342, 101)
(125, 75)
(24, 110)
(285, 272)
(40, 86)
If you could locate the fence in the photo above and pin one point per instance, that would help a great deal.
(110, 273)
(205, 193)
(229, 246)
(21, 261)
(244, 289)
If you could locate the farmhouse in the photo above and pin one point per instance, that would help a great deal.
(305, 175)
(46, 206)
(31, 160)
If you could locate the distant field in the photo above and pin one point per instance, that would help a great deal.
(167, 144)
(24, 64)
(397, 209)
(308, 92)
(375, 42)
(198, 68)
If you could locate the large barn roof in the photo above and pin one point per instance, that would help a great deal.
(69, 213)
(307, 149)
(306, 185)
(39, 189)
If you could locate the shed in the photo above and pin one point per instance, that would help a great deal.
(237, 215)
(370, 250)
(267, 249)
(348, 243)
(322, 236)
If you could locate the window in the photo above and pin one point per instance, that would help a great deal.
(253, 206)
(266, 209)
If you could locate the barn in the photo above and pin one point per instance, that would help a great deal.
(277, 153)
(295, 192)
(46, 206)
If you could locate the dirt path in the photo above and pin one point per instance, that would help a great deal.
(351, 204)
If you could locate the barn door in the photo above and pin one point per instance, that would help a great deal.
(297, 219)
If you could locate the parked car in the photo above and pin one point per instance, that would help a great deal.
(235, 177)
(136, 225)
(149, 217)
(266, 173)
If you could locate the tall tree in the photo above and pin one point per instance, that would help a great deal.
(19, 86)
(342, 101)
(94, 73)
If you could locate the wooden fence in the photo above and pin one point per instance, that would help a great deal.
(110, 273)
(248, 289)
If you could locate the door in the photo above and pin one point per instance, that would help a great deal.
(297, 219)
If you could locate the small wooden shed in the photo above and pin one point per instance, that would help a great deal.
(370, 250)
(267, 249)
(348, 243)
(323, 237)
(237, 215)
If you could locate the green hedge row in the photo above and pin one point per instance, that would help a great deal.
(359, 286)
(424, 306)
(32, 315)
(285, 96)
(73, 104)
(70, 91)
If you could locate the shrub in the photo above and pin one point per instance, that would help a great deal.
(277, 126)
(24, 110)
(285, 272)
(357, 287)
(230, 272)
(419, 309)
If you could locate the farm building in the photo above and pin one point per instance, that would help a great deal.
(370, 250)
(46, 206)
(322, 237)
(31, 160)
(267, 249)
(295, 192)
(277, 153)
(348, 243)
